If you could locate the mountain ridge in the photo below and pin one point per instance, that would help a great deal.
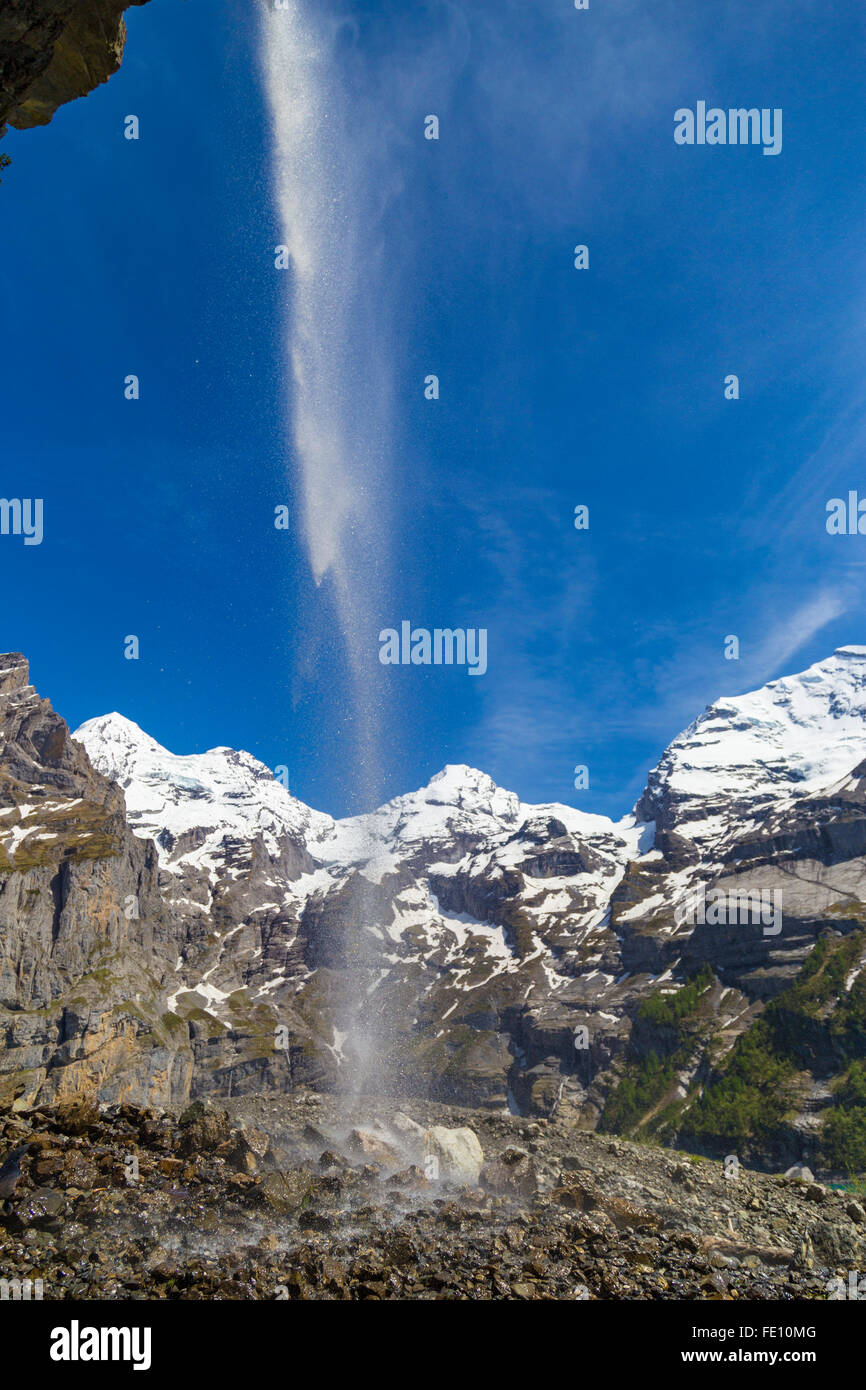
(459, 943)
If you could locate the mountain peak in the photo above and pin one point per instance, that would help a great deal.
(114, 730)
(795, 734)
(459, 777)
(169, 795)
(14, 672)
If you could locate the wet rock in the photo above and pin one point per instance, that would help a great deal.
(43, 1169)
(406, 1129)
(203, 1127)
(363, 1143)
(570, 1197)
(458, 1153)
(314, 1137)
(43, 1207)
(79, 1114)
(286, 1192)
(412, 1178)
(331, 1159)
(249, 1150)
(315, 1221)
(350, 1231)
(514, 1173)
(171, 1167)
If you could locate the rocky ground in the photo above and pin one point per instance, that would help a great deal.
(307, 1197)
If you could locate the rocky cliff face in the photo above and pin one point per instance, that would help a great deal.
(456, 943)
(509, 951)
(466, 923)
(53, 51)
(86, 939)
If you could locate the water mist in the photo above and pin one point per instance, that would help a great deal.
(330, 188)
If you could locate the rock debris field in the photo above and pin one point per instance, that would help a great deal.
(310, 1197)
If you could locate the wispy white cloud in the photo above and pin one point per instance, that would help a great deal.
(564, 698)
(792, 634)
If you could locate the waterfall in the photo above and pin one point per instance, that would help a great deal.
(330, 186)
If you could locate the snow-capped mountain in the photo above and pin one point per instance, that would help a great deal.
(189, 804)
(507, 926)
(736, 799)
(481, 948)
(229, 794)
(790, 737)
(458, 887)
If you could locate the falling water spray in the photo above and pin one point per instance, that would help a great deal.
(330, 188)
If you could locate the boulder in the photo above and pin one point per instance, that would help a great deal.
(373, 1148)
(203, 1128)
(406, 1129)
(249, 1151)
(513, 1174)
(458, 1153)
(314, 1136)
(286, 1193)
(800, 1173)
(78, 1114)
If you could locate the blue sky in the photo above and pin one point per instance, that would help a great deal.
(558, 387)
